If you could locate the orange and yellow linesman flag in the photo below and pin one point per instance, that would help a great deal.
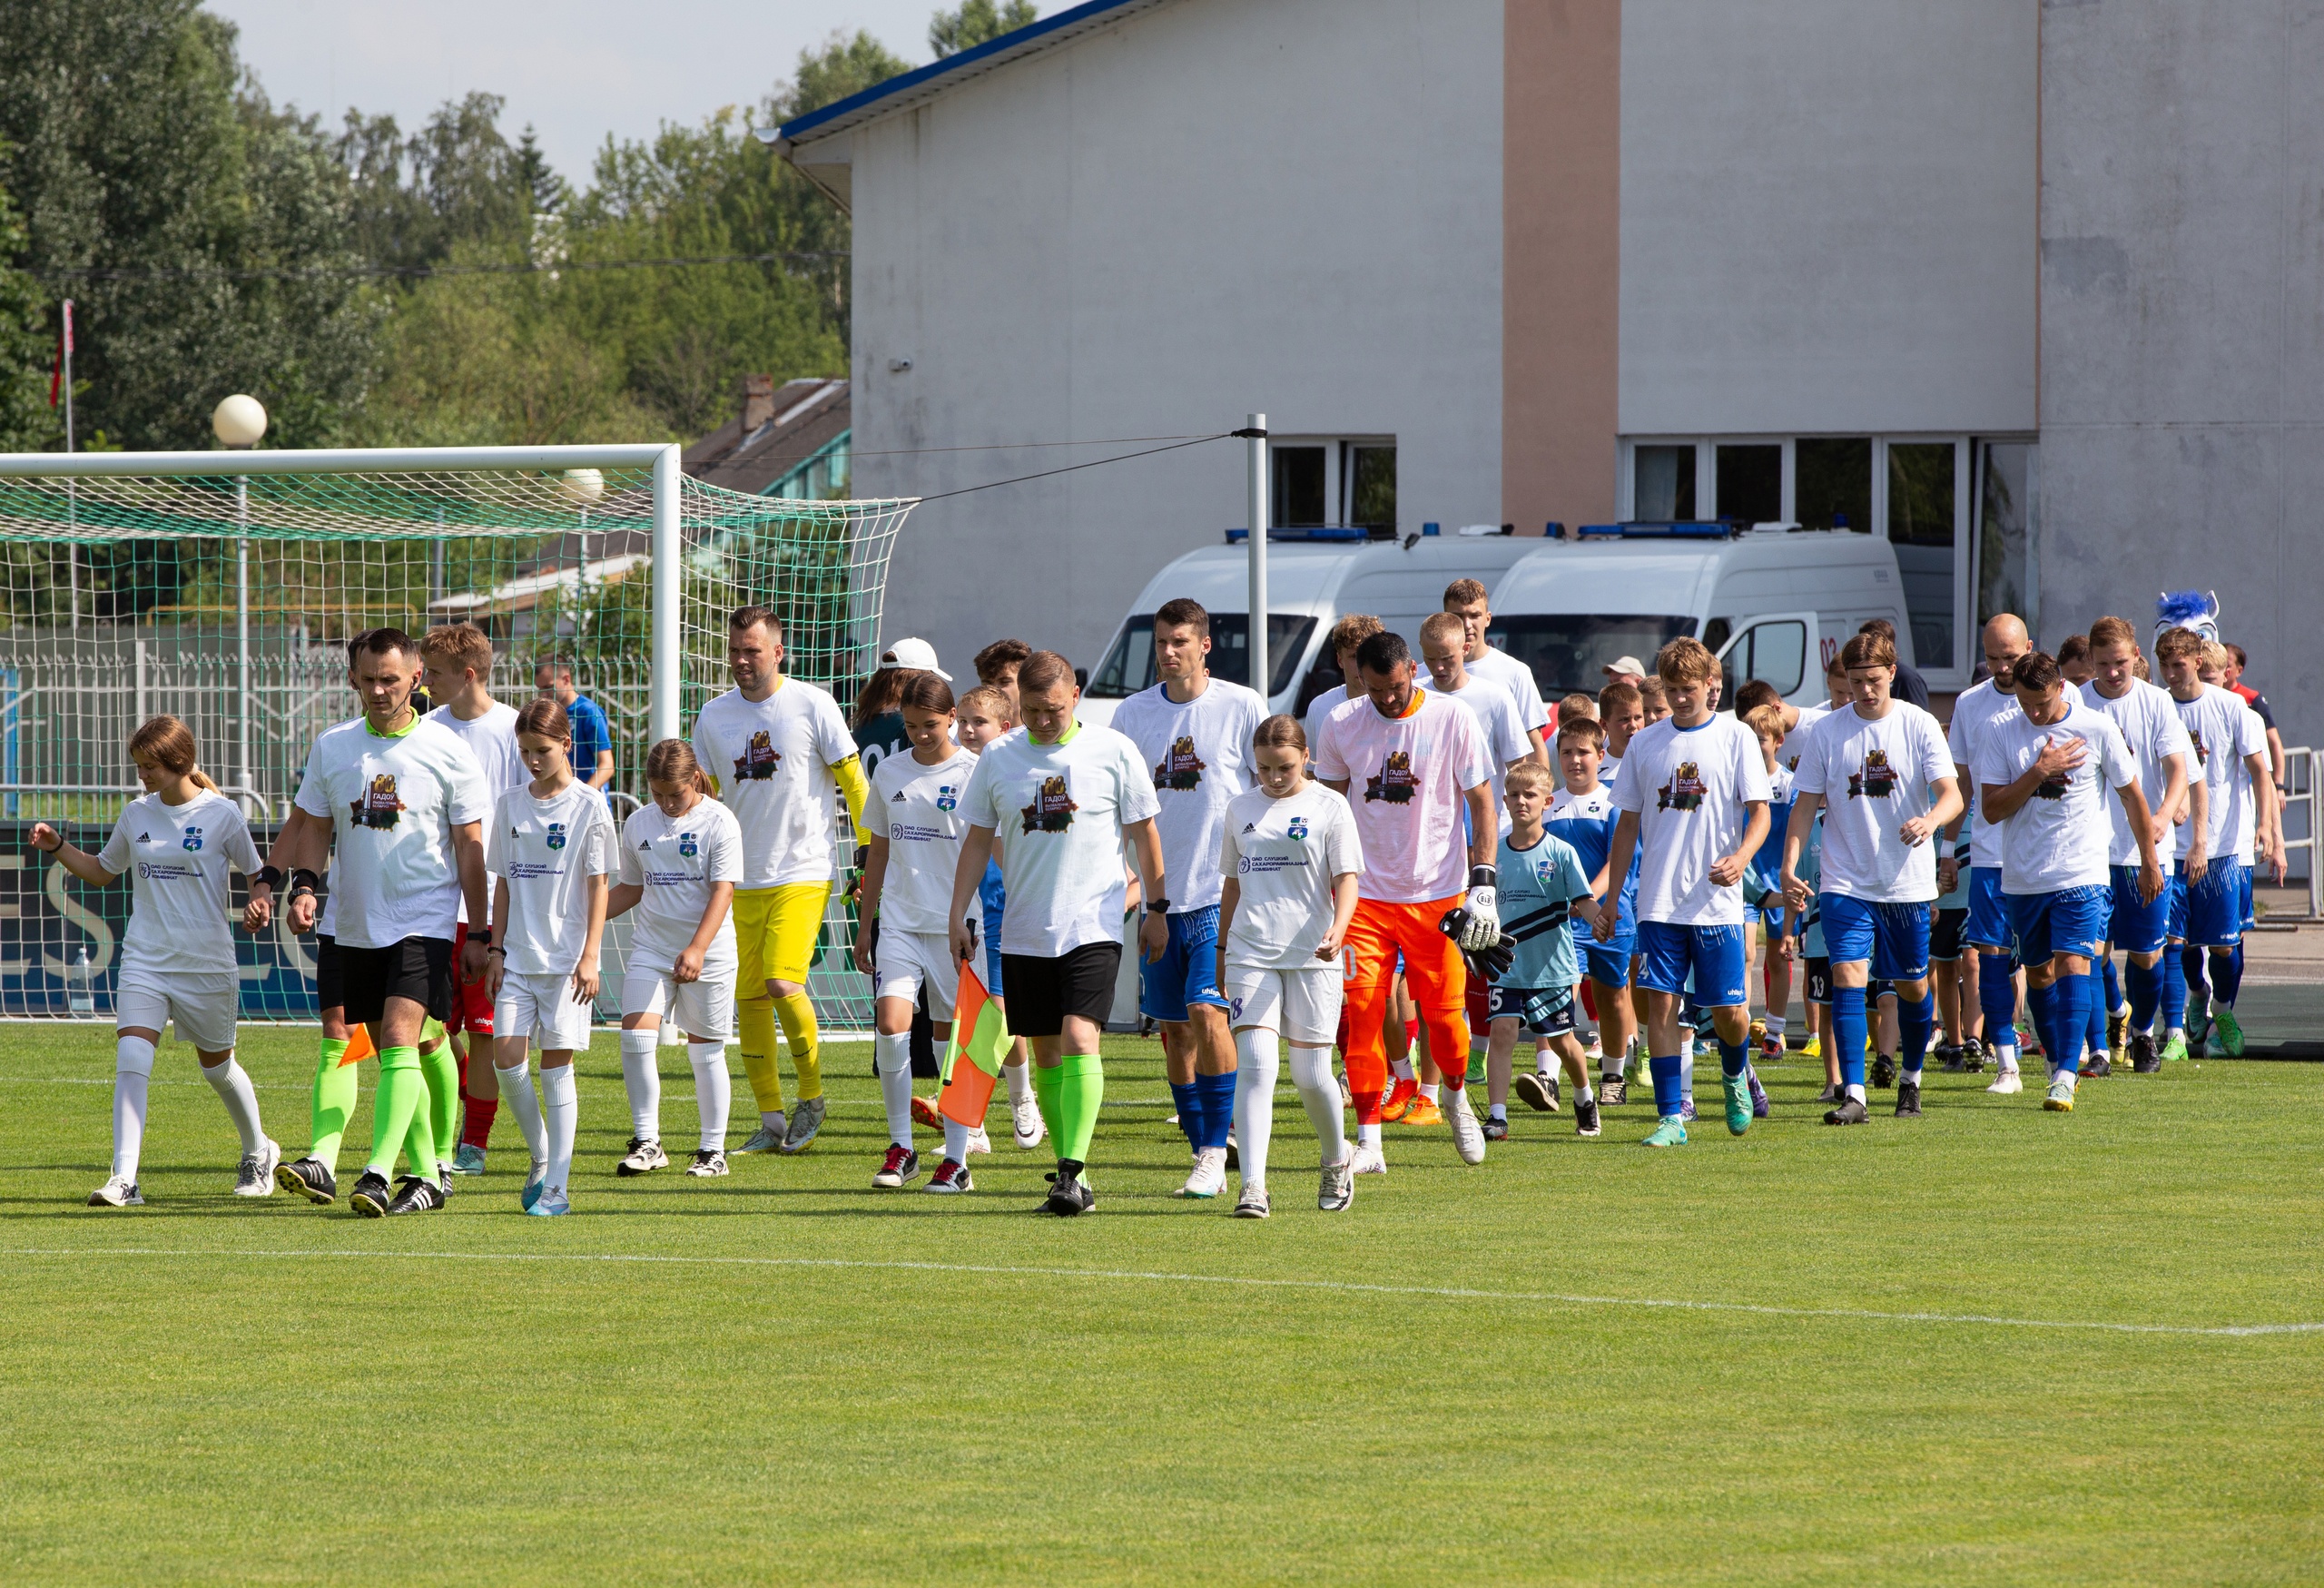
(972, 1062)
(359, 1047)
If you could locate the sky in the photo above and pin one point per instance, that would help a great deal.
(576, 70)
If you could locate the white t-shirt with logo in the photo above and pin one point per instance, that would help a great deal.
(1796, 740)
(2060, 837)
(177, 858)
(2149, 720)
(678, 859)
(1319, 712)
(1284, 855)
(1406, 779)
(491, 738)
(917, 808)
(771, 760)
(1692, 789)
(1513, 676)
(2222, 731)
(546, 851)
(1504, 729)
(1975, 709)
(1874, 776)
(1198, 754)
(392, 803)
(1059, 810)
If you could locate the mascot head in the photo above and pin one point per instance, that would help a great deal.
(2194, 609)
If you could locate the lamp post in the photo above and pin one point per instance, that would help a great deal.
(239, 423)
(581, 487)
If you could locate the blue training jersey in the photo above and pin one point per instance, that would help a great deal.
(1585, 824)
(1538, 887)
(1769, 862)
(1811, 872)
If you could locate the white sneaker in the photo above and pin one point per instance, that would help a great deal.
(2061, 1097)
(1209, 1176)
(980, 1142)
(1368, 1160)
(1335, 1186)
(1025, 1116)
(642, 1158)
(1468, 1136)
(116, 1192)
(765, 1139)
(2007, 1081)
(256, 1176)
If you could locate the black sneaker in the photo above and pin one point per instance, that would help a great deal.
(1952, 1056)
(1884, 1072)
(415, 1194)
(309, 1178)
(1585, 1116)
(1612, 1091)
(1908, 1100)
(2099, 1067)
(371, 1195)
(1849, 1112)
(1496, 1129)
(1975, 1056)
(1538, 1092)
(1067, 1193)
(2144, 1060)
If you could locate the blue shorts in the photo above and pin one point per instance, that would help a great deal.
(2208, 914)
(1606, 963)
(1543, 1012)
(1713, 954)
(2069, 921)
(993, 898)
(2250, 920)
(2137, 927)
(1893, 937)
(1989, 917)
(1187, 972)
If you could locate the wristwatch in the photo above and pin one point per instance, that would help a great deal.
(482, 934)
(1157, 906)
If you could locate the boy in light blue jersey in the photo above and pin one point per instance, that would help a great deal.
(1582, 816)
(1543, 888)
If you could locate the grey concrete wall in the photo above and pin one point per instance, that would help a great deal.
(1828, 216)
(1214, 207)
(2182, 324)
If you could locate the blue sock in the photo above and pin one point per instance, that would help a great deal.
(2073, 1017)
(1665, 1067)
(2144, 984)
(1997, 998)
(1913, 1018)
(2227, 975)
(1732, 1058)
(2113, 987)
(1187, 1098)
(1217, 1108)
(2170, 979)
(1847, 1031)
(2190, 965)
(2095, 1020)
(2042, 1004)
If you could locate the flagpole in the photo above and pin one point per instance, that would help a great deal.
(72, 486)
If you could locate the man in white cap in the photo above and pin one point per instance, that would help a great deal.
(878, 725)
(1627, 670)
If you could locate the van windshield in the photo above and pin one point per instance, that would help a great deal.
(1567, 650)
(1128, 668)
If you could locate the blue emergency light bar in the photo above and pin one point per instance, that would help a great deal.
(1339, 532)
(1682, 529)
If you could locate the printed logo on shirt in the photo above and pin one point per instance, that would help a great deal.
(1181, 768)
(1876, 781)
(759, 759)
(1298, 829)
(379, 808)
(2203, 756)
(1249, 827)
(948, 797)
(557, 835)
(193, 838)
(688, 846)
(1052, 808)
(2053, 787)
(1394, 783)
(898, 798)
(1685, 790)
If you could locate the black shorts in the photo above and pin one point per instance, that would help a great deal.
(1043, 992)
(1946, 936)
(330, 985)
(417, 967)
(1819, 982)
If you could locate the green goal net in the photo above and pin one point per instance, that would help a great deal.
(226, 600)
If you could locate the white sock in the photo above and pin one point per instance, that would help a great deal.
(1433, 1090)
(1582, 1091)
(892, 1057)
(1020, 1083)
(1774, 1024)
(1258, 1058)
(714, 1090)
(1403, 1067)
(1687, 1071)
(1319, 1094)
(1368, 1135)
(1498, 1111)
(516, 1091)
(561, 1109)
(956, 1139)
(1857, 1092)
(231, 1082)
(642, 1082)
(133, 1073)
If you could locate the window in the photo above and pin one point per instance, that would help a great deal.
(1370, 491)
(1128, 668)
(1317, 481)
(1664, 487)
(1568, 651)
(1749, 489)
(2010, 475)
(1834, 489)
(1774, 651)
(1298, 486)
(1921, 528)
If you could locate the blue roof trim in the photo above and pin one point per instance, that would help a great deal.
(1030, 35)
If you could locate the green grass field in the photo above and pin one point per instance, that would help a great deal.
(1776, 1360)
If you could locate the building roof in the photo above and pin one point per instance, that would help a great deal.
(778, 428)
(912, 87)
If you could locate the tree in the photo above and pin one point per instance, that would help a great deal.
(28, 424)
(847, 64)
(975, 23)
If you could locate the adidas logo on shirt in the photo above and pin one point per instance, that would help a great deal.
(1250, 826)
(897, 798)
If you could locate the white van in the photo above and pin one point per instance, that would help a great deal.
(1314, 576)
(1772, 604)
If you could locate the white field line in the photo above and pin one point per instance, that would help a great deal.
(1140, 1275)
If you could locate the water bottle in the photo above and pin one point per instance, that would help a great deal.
(81, 986)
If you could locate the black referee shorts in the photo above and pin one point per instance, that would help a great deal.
(417, 967)
(1043, 992)
(331, 986)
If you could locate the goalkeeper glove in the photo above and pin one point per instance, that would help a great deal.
(1488, 965)
(1480, 911)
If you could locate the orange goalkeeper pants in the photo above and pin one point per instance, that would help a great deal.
(1433, 973)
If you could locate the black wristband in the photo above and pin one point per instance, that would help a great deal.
(1483, 876)
(1158, 907)
(482, 934)
(302, 879)
(270, 875)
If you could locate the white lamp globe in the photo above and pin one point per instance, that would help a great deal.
(581, 486)
(238, 420)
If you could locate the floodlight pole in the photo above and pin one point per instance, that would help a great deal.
(1255, 429)
(669, 578)
(243, 635)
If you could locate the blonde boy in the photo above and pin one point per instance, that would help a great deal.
(1544, 887)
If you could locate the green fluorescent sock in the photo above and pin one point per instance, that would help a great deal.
(1082, 1087)
(1048, 1096)
(442, 1069)
(400, 1111)
(334, 1101)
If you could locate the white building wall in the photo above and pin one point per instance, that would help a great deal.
(1215, 207)
(1828, 216)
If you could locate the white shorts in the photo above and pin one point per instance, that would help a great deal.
(542, 1008)
(703, 1009)
(1299, 1004)
(205, 1006)
(909, 960)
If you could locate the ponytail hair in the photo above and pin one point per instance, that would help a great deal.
(545, 718)
(672, 761)
(1280, 731)
(170, 742)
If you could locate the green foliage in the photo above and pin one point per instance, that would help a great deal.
(28, 424)
(847, 64)
(975, 23)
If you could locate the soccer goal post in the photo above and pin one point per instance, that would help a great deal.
(221, 587)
